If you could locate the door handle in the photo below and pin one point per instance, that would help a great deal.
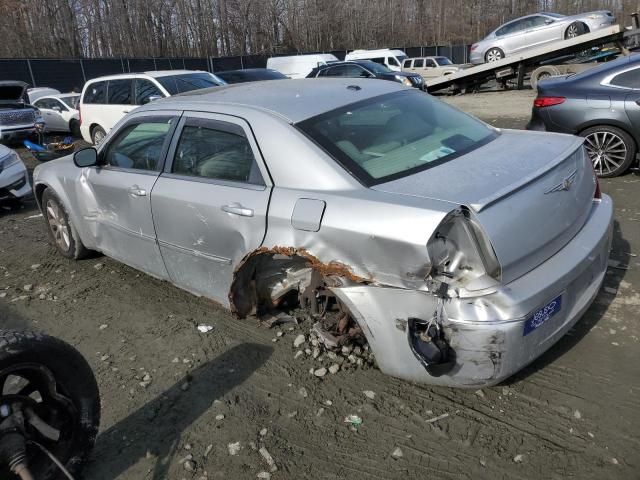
(237, 209)
(136, 191)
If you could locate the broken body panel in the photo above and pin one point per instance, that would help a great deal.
(456, 257)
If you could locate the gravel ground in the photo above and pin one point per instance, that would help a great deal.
(178, 403)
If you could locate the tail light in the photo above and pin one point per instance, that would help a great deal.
(597, 195)
(541, 102)
(474, 46)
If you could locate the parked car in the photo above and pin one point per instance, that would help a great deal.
(105, 100)
(429, 67)
(534, 31)
(366, 69)
(250, 75)
(601, 104)
(18, 119)
(34, 94)
(60, 112)
(391, 58)
(14, 179)
(299, 66)
(372, 205)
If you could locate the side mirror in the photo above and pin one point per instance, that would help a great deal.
(87, 157)
(153, 98)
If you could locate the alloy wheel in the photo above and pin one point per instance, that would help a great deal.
(606, 150)
(59, 226)
(494, 55)
(572, 31)
(98, 136)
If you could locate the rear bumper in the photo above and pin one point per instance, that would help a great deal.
(487, 332)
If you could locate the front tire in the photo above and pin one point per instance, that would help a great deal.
(611, 150)
(49, 377)
(62, 233)
(493, 55)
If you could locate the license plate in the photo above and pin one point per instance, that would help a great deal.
(542, 315)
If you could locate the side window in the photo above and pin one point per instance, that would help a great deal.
(513, 27)
(45, 103)
(407, 64)
(217, 150)
(61, 106)
(393, 61)
(379, 60)
(335, 72)
(96, 93)
(628, 79)
(429, 63)
(119, 92)
(144, 90)
(537, 21)
(139, 145)
(419, 63)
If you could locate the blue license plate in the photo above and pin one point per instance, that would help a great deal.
(542, 315)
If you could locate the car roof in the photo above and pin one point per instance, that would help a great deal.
(293, 99)
(59, 95)
(152, 74)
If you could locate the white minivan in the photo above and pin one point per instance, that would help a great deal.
(384, 56)
(105, 100)
(299, 66)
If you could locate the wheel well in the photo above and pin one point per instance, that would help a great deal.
(39, 190)
(584, 26)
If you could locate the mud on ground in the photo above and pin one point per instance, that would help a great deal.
(573, 413)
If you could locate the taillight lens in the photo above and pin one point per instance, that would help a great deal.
(541, 102)
(474, 46)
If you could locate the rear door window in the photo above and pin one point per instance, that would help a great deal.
(119, 92)
(430, 63)
(96, 93)
(419, 63)
(628, 79)
(144, 90)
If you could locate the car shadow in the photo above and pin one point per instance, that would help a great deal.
(591, 317)
(157, 426)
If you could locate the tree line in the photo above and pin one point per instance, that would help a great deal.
(197, 28)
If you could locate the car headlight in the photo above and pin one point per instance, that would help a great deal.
(403, 80)
(10, 160)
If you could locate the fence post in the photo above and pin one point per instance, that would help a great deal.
(155, 66)
(241, 63)
(33, 80)
(84, 76)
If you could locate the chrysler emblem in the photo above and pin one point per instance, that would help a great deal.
(565, 184)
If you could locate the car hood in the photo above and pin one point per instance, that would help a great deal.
(12, 91)
(531, 192)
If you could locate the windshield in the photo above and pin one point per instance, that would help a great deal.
(71, 101)
(175, 84)
(395, 135)
(375, 67)
(443, 61)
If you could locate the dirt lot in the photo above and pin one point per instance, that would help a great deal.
(572, 414)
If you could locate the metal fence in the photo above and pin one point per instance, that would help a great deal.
(71, 74)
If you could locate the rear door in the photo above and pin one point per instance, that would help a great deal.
(512, 36)
(542, 30)
(51, 110)
(210, 203)
(119, 102)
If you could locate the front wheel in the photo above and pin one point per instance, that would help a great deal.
(611, 150)
(97, 135)
(493, 55)
(48, 398)
(61, 230)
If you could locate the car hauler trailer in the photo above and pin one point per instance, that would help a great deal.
(519, 65)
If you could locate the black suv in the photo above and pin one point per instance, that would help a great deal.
(366, 69)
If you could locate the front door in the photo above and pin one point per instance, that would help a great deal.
(130, 164)
(210, 203)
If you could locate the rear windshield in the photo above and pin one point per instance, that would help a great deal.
(175, 84)
(395, 135)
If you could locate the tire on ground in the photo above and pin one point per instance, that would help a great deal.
(628, 140)
(541, 73)
(74, 379)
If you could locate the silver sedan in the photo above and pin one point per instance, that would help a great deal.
(534, 31)
(459, 251)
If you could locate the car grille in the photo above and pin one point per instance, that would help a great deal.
(17, 117)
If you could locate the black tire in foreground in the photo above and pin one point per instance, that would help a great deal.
(50, 378)
(611, 150)
(61, 230)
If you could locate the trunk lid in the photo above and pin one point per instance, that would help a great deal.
(531, 191)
